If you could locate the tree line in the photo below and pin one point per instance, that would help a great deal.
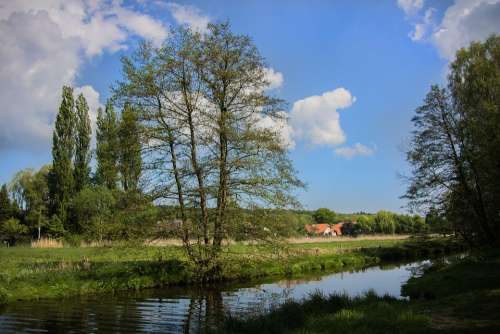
(66, 198)
(381, 222)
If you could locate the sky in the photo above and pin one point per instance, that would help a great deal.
(352, 72)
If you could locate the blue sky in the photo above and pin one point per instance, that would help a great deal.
(386, 54)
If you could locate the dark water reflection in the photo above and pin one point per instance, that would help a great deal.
(187, 310)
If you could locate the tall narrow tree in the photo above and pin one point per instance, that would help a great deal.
(130, 163)
(5, 204)
(63, 143)
(82, 147)
(107, 147)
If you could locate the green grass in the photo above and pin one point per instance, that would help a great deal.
(334, 314)
(458, 297)
(33, 273)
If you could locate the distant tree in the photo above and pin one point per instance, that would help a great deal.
(107, 151)
(324, 216)
(31, 193)
(82, 147)
(365, 224)
(130, 162)
(63, 144)
(385, 222)
(93, 209)
(5, 204)
(11, 230)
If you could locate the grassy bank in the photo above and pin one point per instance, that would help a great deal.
(458, 297)
(31, 273)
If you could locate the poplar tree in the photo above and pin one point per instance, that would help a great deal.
(5, 204)
(82, 147)
(107, 147)
(63, 143)
(130, 163)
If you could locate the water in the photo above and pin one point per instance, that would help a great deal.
(188, 310)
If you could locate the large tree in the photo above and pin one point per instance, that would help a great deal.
(130, 162)
(107, 151)
(203, 100)
(454, 150)
(82, 147)
(63, 144)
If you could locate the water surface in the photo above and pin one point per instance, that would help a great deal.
(188, 310)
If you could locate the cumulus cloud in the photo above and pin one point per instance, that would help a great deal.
(274, 78)
(410, 6)
(466, 21)
(44, 44)
(421, 28)
(357, 149)
(281, 126)
(463, 22)
(316, 120)
(189, 16)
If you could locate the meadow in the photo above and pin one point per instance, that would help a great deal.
(32, 273)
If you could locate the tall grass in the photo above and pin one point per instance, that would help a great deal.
(47, 243)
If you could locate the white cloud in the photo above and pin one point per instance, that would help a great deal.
(355, 150)
(189, 16)
(44, 44)
(463, 22)
(466, 21)
(316, 120)
(281, 127)
(410, 6)
(274, 78)
(421, 28)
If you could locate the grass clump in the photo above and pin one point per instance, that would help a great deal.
(334, 314)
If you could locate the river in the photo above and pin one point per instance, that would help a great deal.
(188, 310)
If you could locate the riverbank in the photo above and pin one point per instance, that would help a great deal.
(462, 296)
(31, 273)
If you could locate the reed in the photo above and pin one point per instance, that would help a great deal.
(47, 243)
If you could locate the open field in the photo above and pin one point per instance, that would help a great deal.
(32, 273)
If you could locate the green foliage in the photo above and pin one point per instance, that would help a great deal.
(92, 210)
(55, 227)
(334, 314)
(437, 223)
(82, 147)
(5, 204)
(454, 150)
(324, 216)
(11, 230)
(63, 144)
(130, 162)
(107, 151)
(385, 222)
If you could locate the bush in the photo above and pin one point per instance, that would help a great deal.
(12, 230)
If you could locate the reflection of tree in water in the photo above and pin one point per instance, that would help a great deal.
(71, 315)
